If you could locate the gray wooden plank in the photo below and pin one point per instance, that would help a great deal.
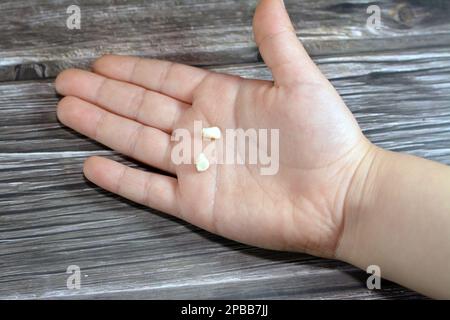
(39, 45)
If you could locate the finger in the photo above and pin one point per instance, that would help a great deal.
(151, 189)
(172, 79)
(146, 144)
(134, 102)
(278, 44)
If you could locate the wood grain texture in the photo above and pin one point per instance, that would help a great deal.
(396, 81)
(213, 32)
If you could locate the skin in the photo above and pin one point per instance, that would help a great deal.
(318, 202)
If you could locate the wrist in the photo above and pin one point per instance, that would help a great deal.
(360, 201)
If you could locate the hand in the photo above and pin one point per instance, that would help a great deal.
(133, 105)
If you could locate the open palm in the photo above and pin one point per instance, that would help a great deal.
(133, 105)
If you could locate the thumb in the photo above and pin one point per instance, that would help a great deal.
(278, 44)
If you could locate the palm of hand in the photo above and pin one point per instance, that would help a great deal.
(320, 145)
(300, 207)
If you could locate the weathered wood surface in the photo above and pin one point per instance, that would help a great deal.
(395, 80)
(36, 43)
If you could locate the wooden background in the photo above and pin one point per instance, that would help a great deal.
(396, 80)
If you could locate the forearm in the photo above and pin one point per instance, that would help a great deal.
(397, 216)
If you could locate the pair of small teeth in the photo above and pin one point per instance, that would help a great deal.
(202, 162)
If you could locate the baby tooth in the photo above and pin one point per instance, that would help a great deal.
(202, 163)
(211, 133)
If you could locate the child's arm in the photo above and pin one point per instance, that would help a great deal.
(398, 217)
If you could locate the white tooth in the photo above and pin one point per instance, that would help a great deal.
(202, 163)
(211, 133)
